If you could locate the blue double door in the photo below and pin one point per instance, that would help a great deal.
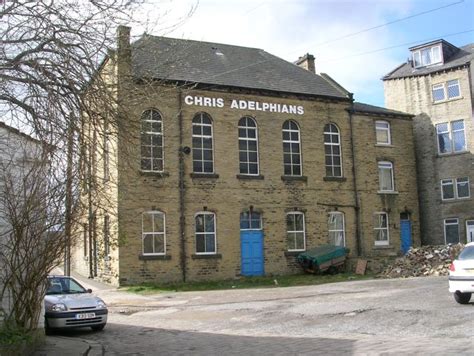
(251, 247)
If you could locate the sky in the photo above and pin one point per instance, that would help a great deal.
(356, 42)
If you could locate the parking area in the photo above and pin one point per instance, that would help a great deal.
(416, 315)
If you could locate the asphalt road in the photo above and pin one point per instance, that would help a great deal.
(412, 316)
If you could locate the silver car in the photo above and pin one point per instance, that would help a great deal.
(69, 305)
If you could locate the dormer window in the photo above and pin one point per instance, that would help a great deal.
(427, 56)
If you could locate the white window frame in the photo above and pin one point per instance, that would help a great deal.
(250, 214)
(290, 153)
(152, 134)
(450, 133)
(448, 182)
(377, 228)
(383, 129)
(386, 165)
(294, 213)
(247, 139)
(332, 215)
(451, 85)
(468, 188)
(419, 62)
(332, 166)
(202, 137)
(196, 233)
(449, 222)
(154, 213)
(442, 88)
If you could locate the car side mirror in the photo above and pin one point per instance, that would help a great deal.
(89, 290)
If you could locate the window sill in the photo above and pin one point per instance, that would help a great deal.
(383, 247)
(249, 177)
(293, 253)
(204, 175)
(294, 178)
(456, 200)
(384, 145)
(447, 100)
(387, 192)
(334, 179)
(154, 257)
(154, 174)
(450, 154)
(206, 257)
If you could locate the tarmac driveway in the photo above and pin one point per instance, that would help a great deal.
(416, 315)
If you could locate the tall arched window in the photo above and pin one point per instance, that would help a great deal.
(332, 151)
(291, 148)
(203, 157)
(151, 141)
(248, 146)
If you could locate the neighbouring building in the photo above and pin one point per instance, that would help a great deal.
(229, 161)
(436, 84)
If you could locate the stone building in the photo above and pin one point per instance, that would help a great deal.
(436, 84)
(229, 161)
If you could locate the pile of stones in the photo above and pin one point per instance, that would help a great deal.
(423, 261)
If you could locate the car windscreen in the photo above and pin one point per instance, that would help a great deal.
(64, 286)
(467, 253)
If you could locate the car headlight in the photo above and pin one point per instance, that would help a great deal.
(101, 304)
(58, 307)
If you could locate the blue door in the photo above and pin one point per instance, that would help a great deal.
(251, 242)
(405, 235)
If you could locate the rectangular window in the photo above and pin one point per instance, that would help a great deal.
(205, 232)
(336, 229)
(153, 233)
(381, 229)
(447, 189)
(438, 92)
(451, 231)
(451, 137)
(382, 132)
(462, 188)
(453, 89)
(427, 56)
(295, 231)
(386, 177)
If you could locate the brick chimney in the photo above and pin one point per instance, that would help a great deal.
(124, 52)
(306, 62)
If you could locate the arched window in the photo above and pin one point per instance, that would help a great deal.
(291, 148)
(332, 151)
(248, 146)
(153, 233)
(151, 141)
(203, 157)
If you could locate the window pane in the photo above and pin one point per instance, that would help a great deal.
(197, 166)
(209, 222)
(448, 189)
(208, 167)
(459, 141)
(200, 223)
(253, 168)
(159, 243)
(453, 88)
(444, 143)
(210, 243)
(159, 222)
(146, 164)
(463, 187)
(299, 240)
(452, 233)
(148, 243)
(200, 243)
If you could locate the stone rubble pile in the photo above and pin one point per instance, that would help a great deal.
(423, 261)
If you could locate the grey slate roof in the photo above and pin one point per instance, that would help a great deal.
(462, 57)
(242, 67)
(377, 110)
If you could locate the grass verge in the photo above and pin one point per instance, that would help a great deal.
(247, 282)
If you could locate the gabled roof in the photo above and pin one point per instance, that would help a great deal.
(461, 58)
(225, 65)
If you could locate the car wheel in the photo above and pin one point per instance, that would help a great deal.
(462, 298)
(98, 327)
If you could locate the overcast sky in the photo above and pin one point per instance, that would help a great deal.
(356, 42)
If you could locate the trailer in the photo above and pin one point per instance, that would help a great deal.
(324, 258)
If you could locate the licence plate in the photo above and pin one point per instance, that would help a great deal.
(85, 316)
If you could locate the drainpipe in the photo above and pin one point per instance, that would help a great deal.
(354, 177)
(182, 221)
